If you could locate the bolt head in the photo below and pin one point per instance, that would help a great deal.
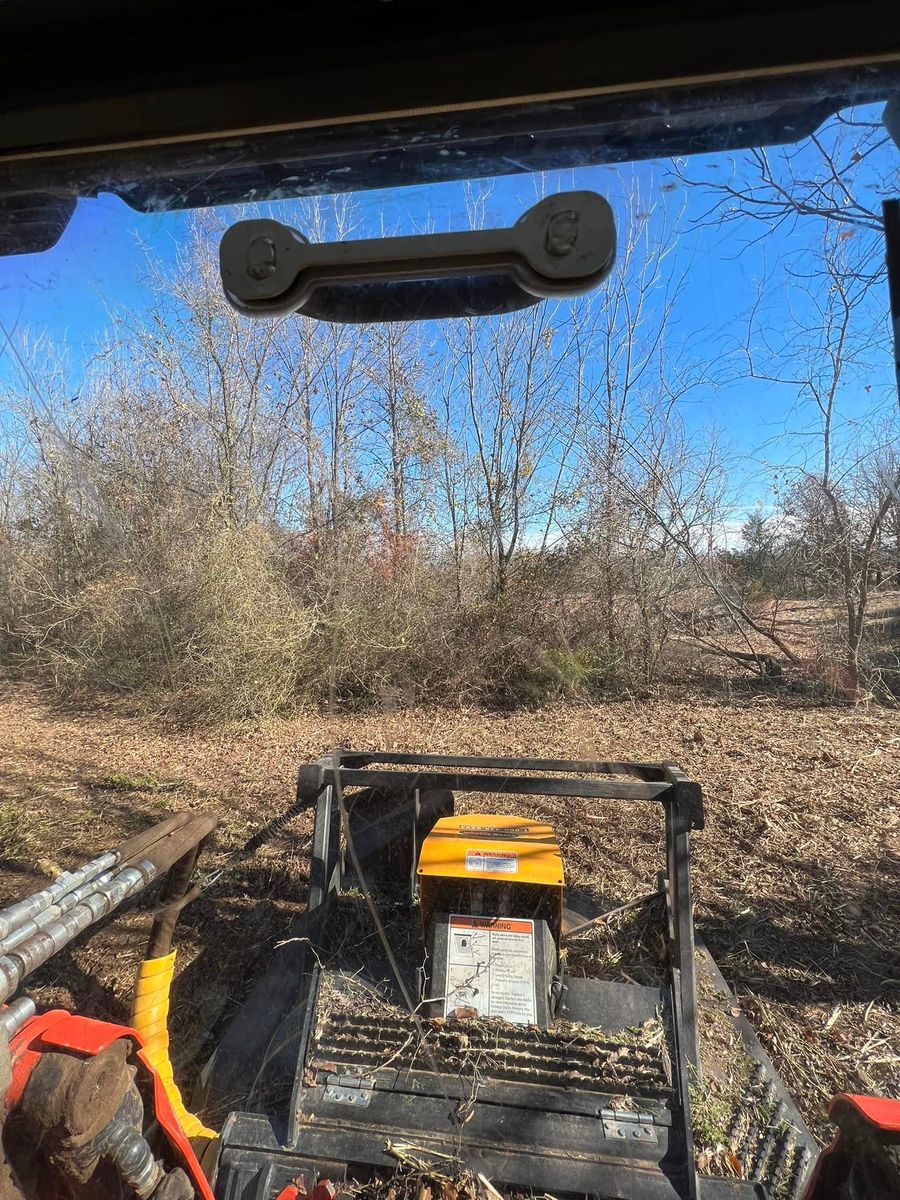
(562, 233)
(261, 258)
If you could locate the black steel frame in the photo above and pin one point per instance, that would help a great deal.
(665, 783)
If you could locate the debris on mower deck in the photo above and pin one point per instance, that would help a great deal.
(441, 1025)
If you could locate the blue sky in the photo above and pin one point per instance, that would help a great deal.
(100, 266)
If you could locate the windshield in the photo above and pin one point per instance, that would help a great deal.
(660, 520)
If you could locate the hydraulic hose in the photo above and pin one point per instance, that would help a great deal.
(46, 941)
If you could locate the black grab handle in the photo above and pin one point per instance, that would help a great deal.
(417, 300)
(563, 246)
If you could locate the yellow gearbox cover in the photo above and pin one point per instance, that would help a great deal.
(492, 846)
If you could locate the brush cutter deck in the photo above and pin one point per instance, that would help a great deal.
(438, 1011)
(353, 1054)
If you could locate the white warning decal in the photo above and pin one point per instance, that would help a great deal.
(490, 968)
(506, 861)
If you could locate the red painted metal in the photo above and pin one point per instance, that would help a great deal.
(61, 1030)
(884, 1114)
(324, 1190)
(846, 1110)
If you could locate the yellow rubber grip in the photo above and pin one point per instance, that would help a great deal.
(149, 1016)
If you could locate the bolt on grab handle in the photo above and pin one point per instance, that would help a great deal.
(564, 246)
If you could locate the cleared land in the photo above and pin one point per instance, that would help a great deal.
(796, 877)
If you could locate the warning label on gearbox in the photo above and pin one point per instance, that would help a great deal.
(490, 968)
(506, 861)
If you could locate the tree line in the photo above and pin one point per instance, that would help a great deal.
(237, 517)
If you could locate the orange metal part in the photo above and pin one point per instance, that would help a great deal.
(492, 846)
(483, 847)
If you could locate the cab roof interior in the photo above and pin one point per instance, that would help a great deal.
(170, 105)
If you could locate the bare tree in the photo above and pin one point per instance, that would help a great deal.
(635, 373)
(830, 342)
(838, 176)
(507, 504)
(401, 422)
(510, 379)
(840, 489)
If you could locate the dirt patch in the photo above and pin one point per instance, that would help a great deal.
(796, 876)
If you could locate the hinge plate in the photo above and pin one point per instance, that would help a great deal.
(630, 1126)
(349, 1089)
